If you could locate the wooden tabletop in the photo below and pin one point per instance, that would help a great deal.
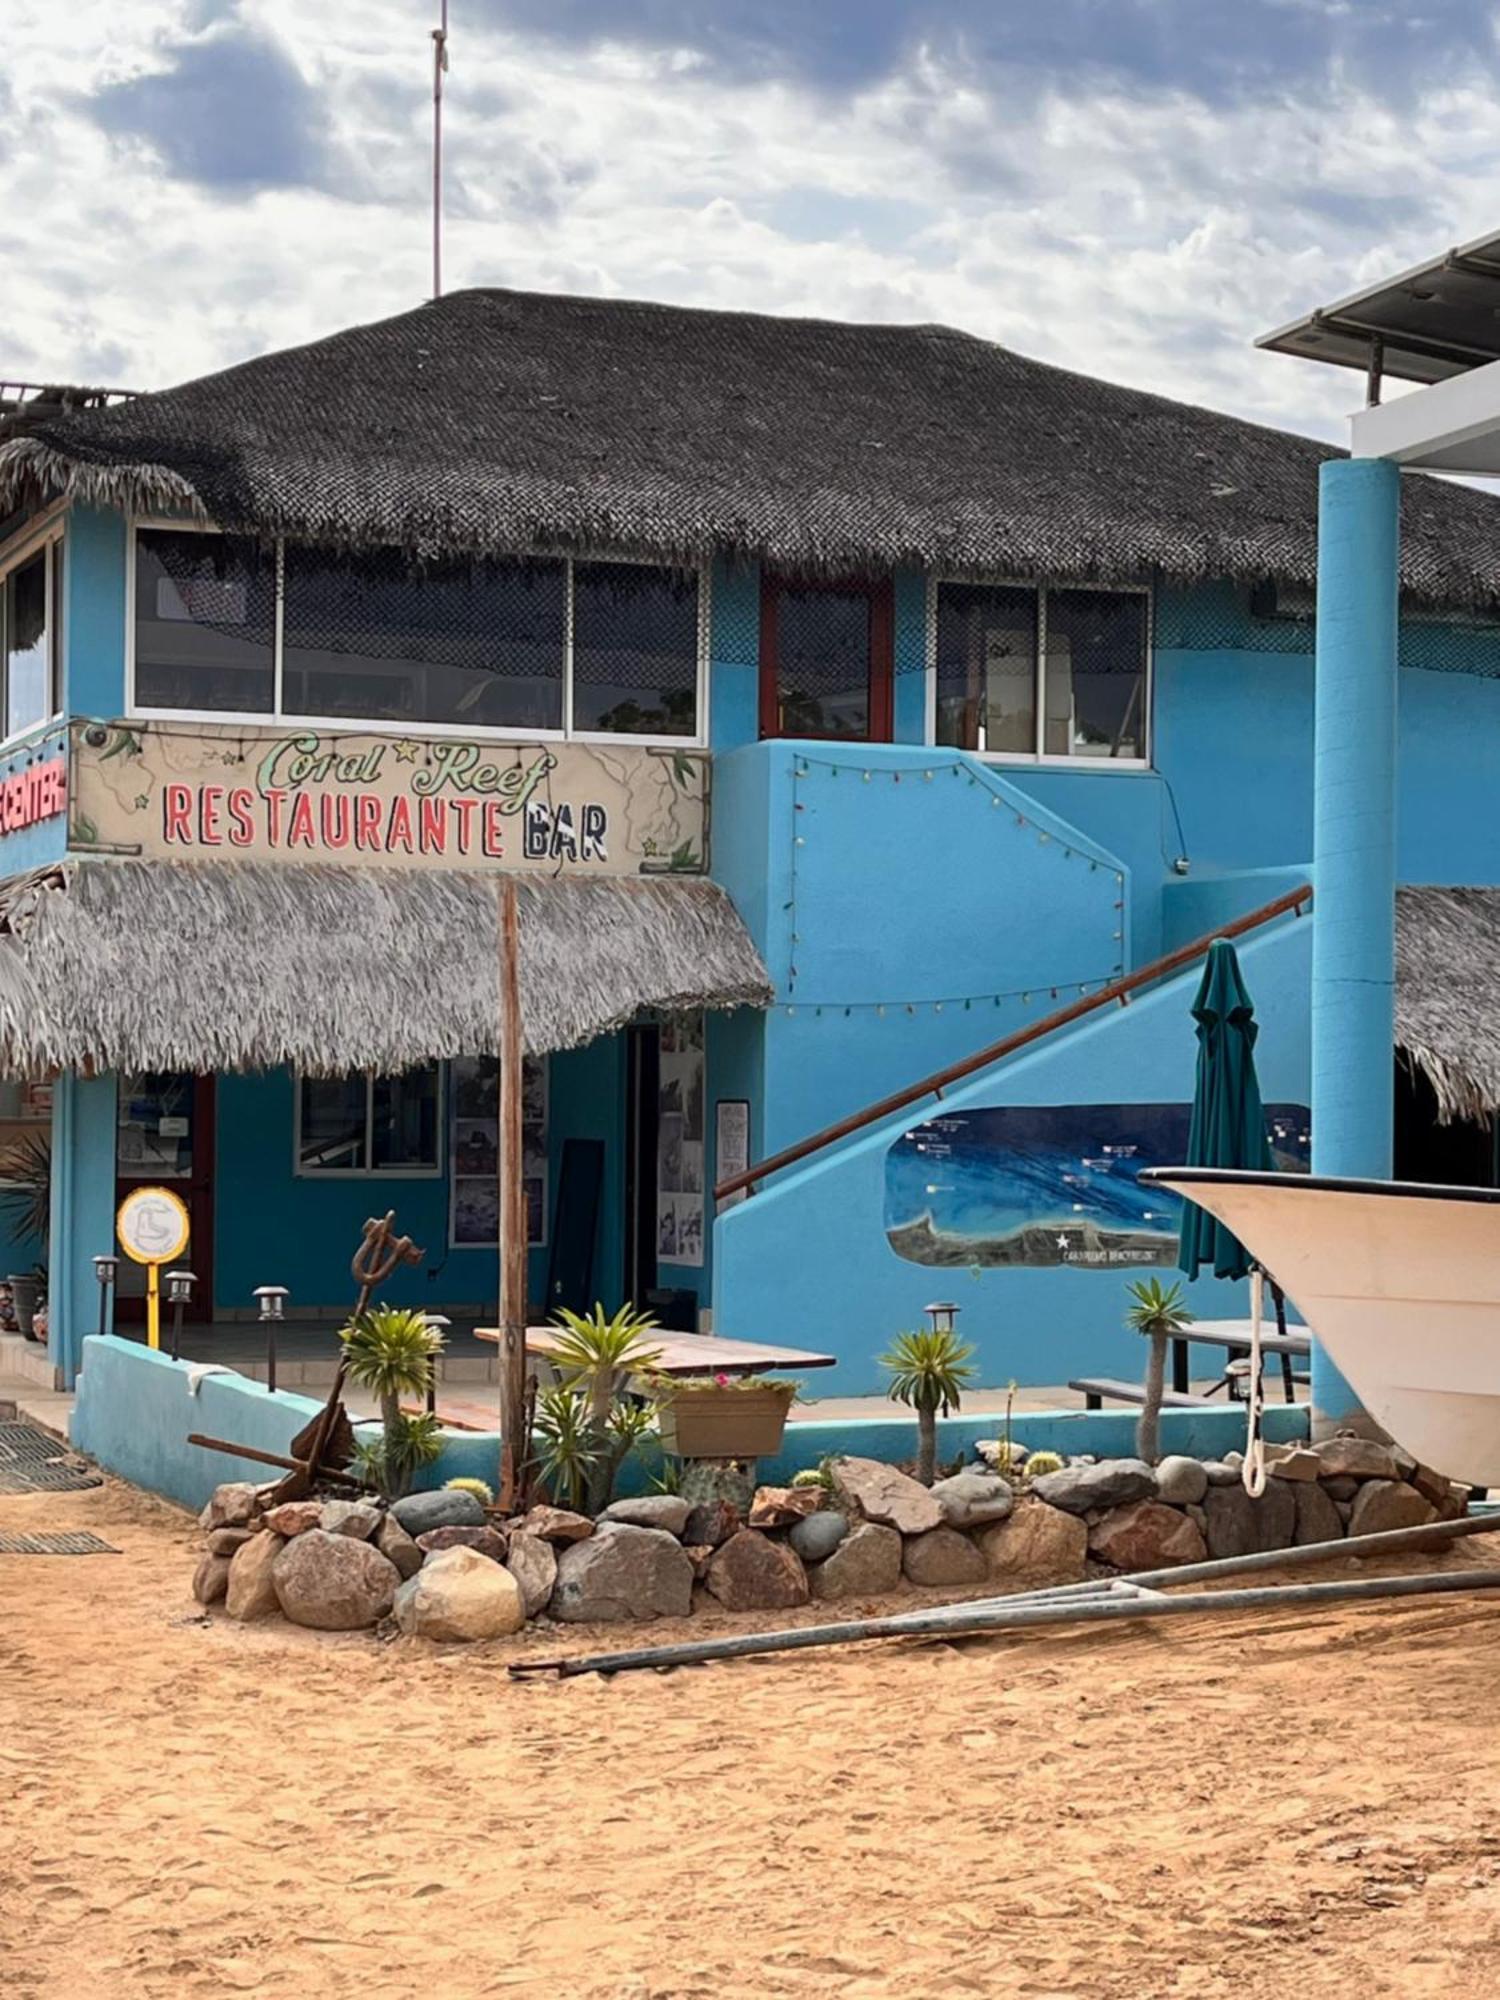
(690, 1353)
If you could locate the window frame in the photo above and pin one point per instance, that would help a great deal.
(46, 538)
(1038, 755)
(880, 597)
(371, 1172)
(278, 717)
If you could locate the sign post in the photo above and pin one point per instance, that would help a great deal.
(153, 1228)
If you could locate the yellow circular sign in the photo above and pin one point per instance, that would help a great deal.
(152, 1225)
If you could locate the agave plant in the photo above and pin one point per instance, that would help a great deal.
(1158, 1311)
(929, 1372)
(592, 1356)
(569, 1449)
(391, 1461)
(26, 1186)
(390, 1351)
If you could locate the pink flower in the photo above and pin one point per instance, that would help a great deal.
(721, 1381)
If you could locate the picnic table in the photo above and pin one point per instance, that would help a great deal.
(688, 1353)
(1233, 1335)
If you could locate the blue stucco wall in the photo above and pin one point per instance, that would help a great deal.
(807, 1261)
(94, 628)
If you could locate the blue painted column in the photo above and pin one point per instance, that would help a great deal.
(83, 1211)
(1354, 842)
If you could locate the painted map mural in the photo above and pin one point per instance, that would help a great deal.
(1051, 1184)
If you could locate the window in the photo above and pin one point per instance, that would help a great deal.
(369, 1124)
(205, 620)
(466, 643)
(31, 638)
(825, 660)
(1042, 672)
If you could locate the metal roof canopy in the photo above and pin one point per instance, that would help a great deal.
(1437, 320)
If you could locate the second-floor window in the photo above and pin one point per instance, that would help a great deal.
(1042, 672)
(228, 626)
(31, 601)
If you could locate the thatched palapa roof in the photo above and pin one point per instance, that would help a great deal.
(1448, 994)
(128, 964)
(515, 421)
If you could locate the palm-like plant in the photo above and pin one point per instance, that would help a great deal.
(592, 1356)
(1158, 1311)
(26, 1186)
(418, 1443)
(929, 1372)
(390, 1350)
(570, 1449)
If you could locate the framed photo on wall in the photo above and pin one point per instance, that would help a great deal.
(474, 1151)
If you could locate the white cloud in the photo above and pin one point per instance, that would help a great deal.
(1139, 234)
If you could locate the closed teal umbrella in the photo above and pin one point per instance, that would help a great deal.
(1228, 1126)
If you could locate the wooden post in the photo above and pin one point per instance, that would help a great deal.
(513, 1440)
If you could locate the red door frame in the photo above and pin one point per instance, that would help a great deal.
(881, 599)
(198, 1193)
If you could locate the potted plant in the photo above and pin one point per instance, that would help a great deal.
(722, 1416)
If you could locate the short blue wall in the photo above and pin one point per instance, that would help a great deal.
(806, 1261)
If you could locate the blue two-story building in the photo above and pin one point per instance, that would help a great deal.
(846, 700)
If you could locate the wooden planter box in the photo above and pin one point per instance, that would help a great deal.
(724, 1423)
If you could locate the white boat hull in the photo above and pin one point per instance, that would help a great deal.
(1400, 1282)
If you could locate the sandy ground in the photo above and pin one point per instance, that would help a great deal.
(1288, 1808)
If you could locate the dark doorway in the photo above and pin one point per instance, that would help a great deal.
(165, 1138)
(642, 1113)
(1462, 1154)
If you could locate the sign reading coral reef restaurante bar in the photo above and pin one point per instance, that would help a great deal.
(199, 791)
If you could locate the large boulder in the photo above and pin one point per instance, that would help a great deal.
(1381, 1505)
(866, 1563)
(533, 1564)
(487, 1541)
(1036, 1547)
(459, 1594)
(942, 1557)
(1240, 1526)
(224, 1541)
(419, 1513)
(553, 1524)
(1180, 1481)
(819, 1535)
(623, 1572)
(232, 1505)
(1077, 1489)
(1349, 1457)
(973, 1498)
(333, 1582)
(359, 1518)
(665, 1511)
(251, 1592)
(710, 1523)
(885, 1496)
(398, 1547)
(1146, 1535)
(211, 1579)
(1318, 1518)
(750, 1572)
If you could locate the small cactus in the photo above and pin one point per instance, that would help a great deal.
(813, 1475)
(1042, 1462)
(482, 1493)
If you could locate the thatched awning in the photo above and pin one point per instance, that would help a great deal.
(516, 422)
(1448, 995)
(134, 965)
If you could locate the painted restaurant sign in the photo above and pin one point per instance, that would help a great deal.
(196, 791)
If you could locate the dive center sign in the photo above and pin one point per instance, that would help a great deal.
(191, 790)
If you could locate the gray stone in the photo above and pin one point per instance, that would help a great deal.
(885, 1496)
(230, 1506)
(1317, 1517)
(973, 1498)
(1180, 1481)
(1111, 1483)
(533, 1564)
(224, 1541)
(667, 1512)
(1384, 1504)
(1240, 1526)
(1198, 1518)
(460, 1595)
(1275, 1515)
(1349, 1457)
(865, 1563)
(486, 1541)
(943, 1557)
(419, 1512)
(623, 1572)
(1344, 1509)
(819, 1535)
(359, 1518)
(252, 1589)
(398, 1547)
(711, 1522)
(1037, 1546)
(1340, 1487)
(1218, 1473)
(211, 1579)
(1146, 1534)
(750, 1572)
(333, 1582)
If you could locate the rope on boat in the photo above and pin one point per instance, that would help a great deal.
(1253, 1472)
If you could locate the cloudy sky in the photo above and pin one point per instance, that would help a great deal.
(1132, 187)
